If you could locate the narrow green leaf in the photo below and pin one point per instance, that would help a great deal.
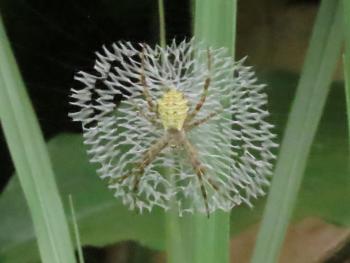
(178, 247)
(346, 15)
(76, 230)
(215, 25)
(306, 112)
(220, 29)
(212, 235)
(197, 238)
(31, 160)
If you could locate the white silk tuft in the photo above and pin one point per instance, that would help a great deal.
(235, 146)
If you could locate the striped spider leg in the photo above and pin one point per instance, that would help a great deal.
(191, 125)
(148, 157)
(198, 168)
(204, 94)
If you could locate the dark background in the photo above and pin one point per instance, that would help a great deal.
(52, 40)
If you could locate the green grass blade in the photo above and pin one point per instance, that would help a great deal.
(178, 245)
(305, 114)
(32, 162)
(212, 235)
(220, 29)
(346, 16)
(197, 239)
(76, 230)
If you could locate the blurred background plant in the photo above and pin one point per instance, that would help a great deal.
(53, 40)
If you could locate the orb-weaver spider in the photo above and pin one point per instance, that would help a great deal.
(173, 113)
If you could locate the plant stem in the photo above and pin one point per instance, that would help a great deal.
(162, 32)
(306, 112)
(30, 157)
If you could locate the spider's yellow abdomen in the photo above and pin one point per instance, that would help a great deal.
(172, 109)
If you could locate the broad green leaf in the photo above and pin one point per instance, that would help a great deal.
(101, 218)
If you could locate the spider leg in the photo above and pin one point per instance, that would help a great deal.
(148, 157)
(199, 170)
(204, 95)
(196, 123)
(146, 93)
(119, 180)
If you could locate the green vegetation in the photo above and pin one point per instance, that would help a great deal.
(306, 112)
(346, 16)
(32, 162)
(311, 174)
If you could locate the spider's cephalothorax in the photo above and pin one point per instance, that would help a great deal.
(157, 148)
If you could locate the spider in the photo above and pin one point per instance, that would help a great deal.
(173, 114)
